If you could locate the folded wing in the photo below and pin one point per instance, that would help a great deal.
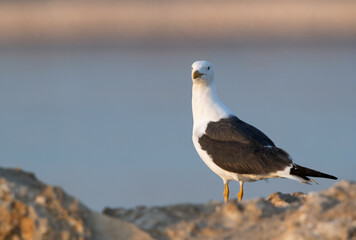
(241, 148)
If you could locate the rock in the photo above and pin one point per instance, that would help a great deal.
(105, 227)
(30, 209)
(282, 200)
(156, 219)
(330, 214)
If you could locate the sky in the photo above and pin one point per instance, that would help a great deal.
(113, 126)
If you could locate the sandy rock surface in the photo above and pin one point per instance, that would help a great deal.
(31, 210)
(330, 214)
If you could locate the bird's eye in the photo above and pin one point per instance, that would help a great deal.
(208, 68)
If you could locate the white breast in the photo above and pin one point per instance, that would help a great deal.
(207, 107)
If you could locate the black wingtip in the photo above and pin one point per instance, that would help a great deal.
(304, 172)
(333, 177)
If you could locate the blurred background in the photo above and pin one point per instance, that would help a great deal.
(95, 96)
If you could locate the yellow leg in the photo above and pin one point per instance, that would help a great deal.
(241, 193)
(226, 192)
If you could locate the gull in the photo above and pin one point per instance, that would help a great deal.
(232, 148)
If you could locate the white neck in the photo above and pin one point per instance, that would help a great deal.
(207, 107)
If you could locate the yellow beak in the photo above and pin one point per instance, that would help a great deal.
(197, 74)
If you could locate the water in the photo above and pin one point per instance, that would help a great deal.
(113, 126)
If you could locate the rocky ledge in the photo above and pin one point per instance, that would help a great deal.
(30, 209)
(330, 214)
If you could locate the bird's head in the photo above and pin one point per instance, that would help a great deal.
(202, 72)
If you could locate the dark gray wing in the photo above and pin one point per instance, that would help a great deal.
(241, 148)
(235, 130)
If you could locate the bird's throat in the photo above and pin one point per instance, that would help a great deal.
(206, 104)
